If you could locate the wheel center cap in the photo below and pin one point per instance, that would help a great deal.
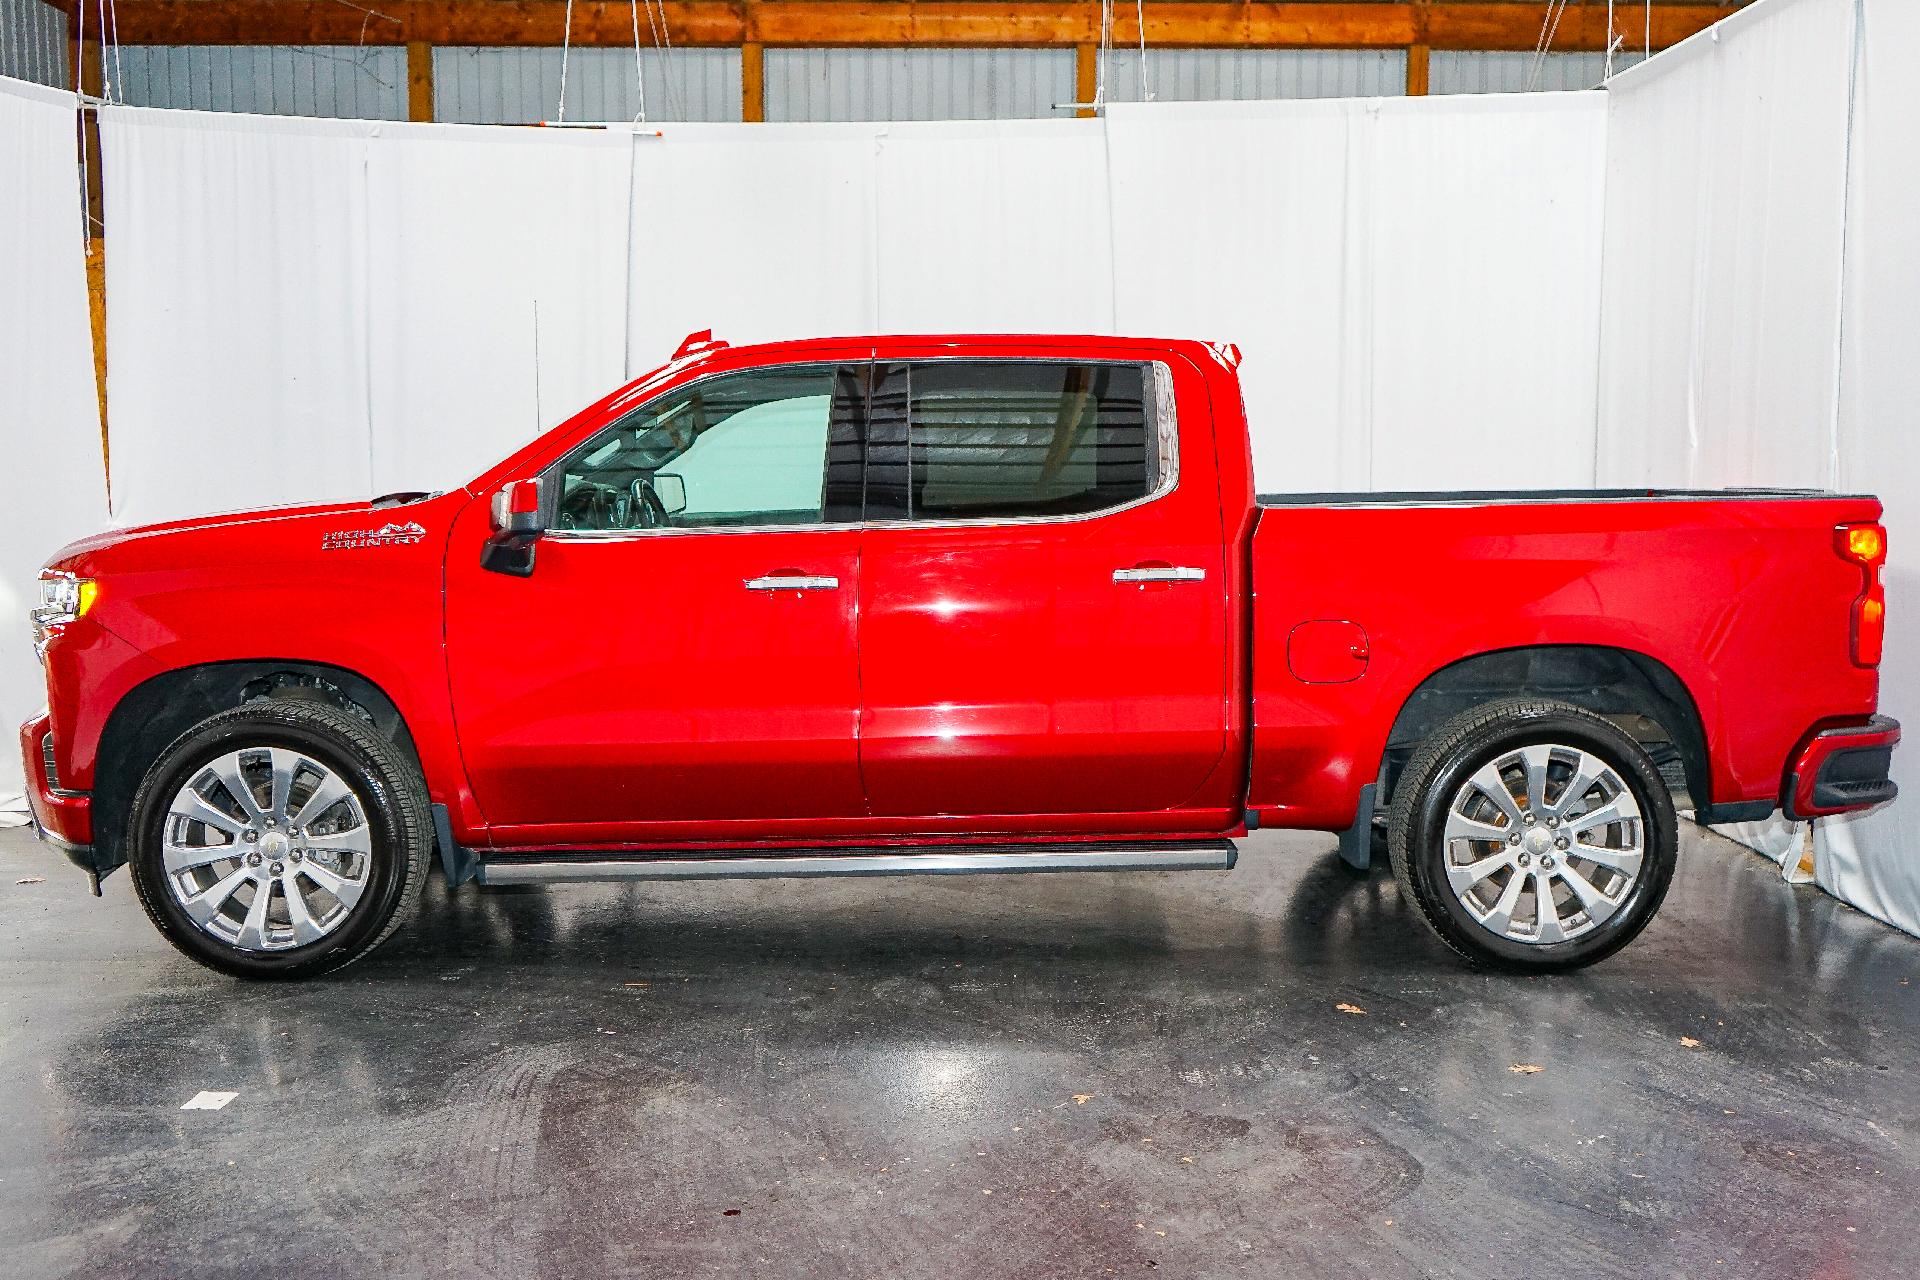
(1539, 840)
(274, 845)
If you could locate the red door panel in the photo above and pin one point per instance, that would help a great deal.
(1005, 672)
(636, 680)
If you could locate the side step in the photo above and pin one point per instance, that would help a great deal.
(1166, 855)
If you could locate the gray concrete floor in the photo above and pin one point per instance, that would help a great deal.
(1062, 1075)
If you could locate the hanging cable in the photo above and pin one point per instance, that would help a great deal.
(1140, 20)
(1549, 27)
(566, 47)
(1607, 73)
(639, 72)
(119, 75)
(676, 102)
(1646, 47)
(80, 83)
(106, 60)
(1103, 55)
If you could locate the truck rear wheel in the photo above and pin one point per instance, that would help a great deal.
(279, 839)
(1533, 835)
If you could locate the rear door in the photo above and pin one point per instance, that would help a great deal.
(1043, 599)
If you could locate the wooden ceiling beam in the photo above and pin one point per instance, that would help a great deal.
(953, 23)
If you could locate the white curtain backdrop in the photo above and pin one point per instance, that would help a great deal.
(758, 232)
(1873, 861)
(497, 281)
(53, 488)
(1726, 201)
(1414, 283)
(237, 338)
(305, 309)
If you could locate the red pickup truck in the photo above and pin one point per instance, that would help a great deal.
(881, 606)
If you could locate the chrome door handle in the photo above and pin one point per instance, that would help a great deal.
(1169, 573)
(794, 582)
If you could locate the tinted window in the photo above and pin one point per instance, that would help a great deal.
(1009, 439)
(753, 448)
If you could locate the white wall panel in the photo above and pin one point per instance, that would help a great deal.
(1028, 198)
(33, 42)
(917, 84)
(1490, 71)
(1363, 367)
(522, 86)
(1198, 75)
(1725, 211)
(237, 340)
(53, 487)
(1873, 860)
(758, 232)
(501, 352)
(1486, 292)
(344, 82)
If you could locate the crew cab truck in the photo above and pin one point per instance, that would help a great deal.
(943, 604)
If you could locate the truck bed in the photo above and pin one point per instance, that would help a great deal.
(1736, 596)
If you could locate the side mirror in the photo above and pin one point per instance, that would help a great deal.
(671, 490)
(518, 523)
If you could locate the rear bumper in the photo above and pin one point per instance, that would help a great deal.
(1843, 770)
(62, 818)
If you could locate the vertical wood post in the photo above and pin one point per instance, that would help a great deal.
(84, 67)
(1419, 53)
(1086, 75)
(419, 80)
(753, 82)
(86, 80)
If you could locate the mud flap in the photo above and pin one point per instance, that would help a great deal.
(1356, 842)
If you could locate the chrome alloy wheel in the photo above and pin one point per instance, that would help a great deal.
(1543, 843)
(265, 848)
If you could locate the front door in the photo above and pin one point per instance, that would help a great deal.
(684, 651)
(1044, 624)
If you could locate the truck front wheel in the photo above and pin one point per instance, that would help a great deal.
(1533, 835)
(280, 839)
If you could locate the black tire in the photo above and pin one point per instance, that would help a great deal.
(386, 784)
(1476, 738)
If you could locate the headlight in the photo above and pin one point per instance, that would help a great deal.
(63, 599)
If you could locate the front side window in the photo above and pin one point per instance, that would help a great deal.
(762, 447)
(1012, 439)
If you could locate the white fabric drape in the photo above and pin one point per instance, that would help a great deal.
(1873, 861)
(790, 231)
(54, 486)
(1726, 198)
(237, 371)
(758, 232)
(994, 227)
(497, 291)
(1414, 284)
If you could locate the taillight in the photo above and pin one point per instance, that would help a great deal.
(1866, 546)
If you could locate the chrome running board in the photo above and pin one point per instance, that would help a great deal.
(945, 860)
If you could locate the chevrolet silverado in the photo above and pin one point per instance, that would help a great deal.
(886, 606)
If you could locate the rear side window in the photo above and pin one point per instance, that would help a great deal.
(1009, 439)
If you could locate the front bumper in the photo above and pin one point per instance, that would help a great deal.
(62, 818)
(1843, 770)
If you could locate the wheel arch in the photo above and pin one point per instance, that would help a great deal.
(1636, 691)
(160, 709)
